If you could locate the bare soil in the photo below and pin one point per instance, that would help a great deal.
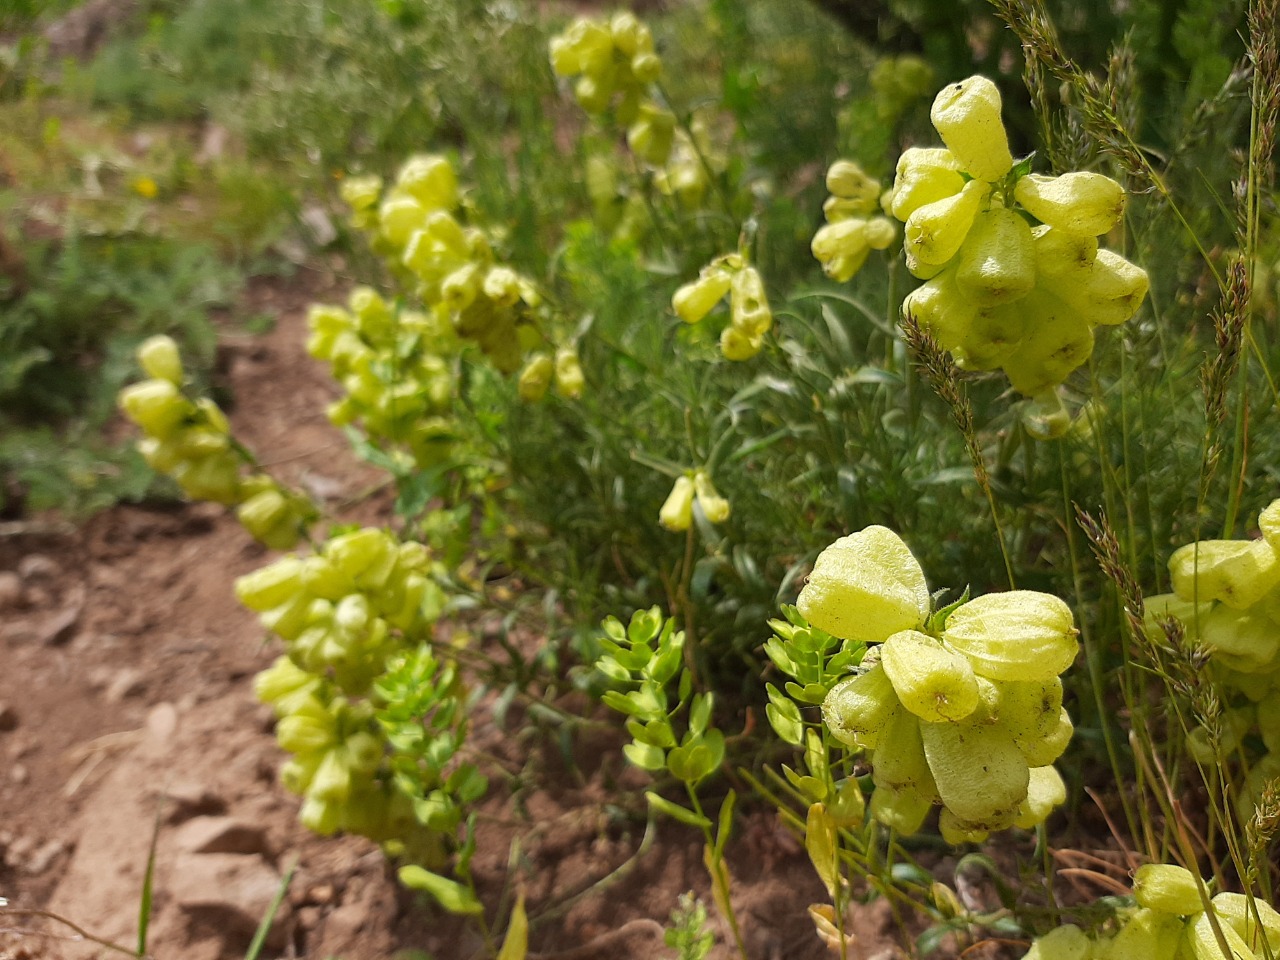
(126, 703)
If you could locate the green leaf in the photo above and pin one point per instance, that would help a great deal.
(724, 822)
(675, 811)
(515, 945)
(450, 894)
(700, 713)
(789, 728)
(821, 844)
(645, 756)
(813, 693)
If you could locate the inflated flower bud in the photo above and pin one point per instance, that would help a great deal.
(899, 761)
(270, 586)
(361, 193)
(429, 179)
(1067, 942)
(1167, 888)
(1016, 635)
(1240, 639)
(1238, 911)
(695, 300)
(260, 513)
(847, 181)
(739, 345)
(399, 216)
(1047, 749)
(857, 708)
(157, 406)
(967, 117)
(1057, 341)
(1086, 204)
(285, 686)
(646, 67)
(1146, 933)
(677, 512)
(930, 681)
(1059, 253)
(714, 507)
(1045, 793)
(535, 378)
(569, 378)
(924, 175)
(160, 359)
(866, 586)
(1237, 572)
(935, 231)
(1108, 292)
(997, 261)
(651, 136)
(748, 305)
(1200, 941)
(956, 750)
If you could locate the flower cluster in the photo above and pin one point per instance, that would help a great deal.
(1015, 277)
(391, 364)
(615, 63)
(190, 441)
(346, 613)
(852, 231)
(1227, 597)
(1170, 920)
(962, 707)
(749, 315)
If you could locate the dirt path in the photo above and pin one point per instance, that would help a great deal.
(125, 695)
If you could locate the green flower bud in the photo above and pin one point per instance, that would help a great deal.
(1057, 341)
(1146, 933)
(332, 780)
(1017, 635)
(285, 686)
(320, 815)
(958, 832)
(160, 359)
(866, 586)
(902, 811)
(1237, 572)
(924, 175)
(429, 179)
(930, 681)
(1065, 943)
(310, 728)
(739, 345)
(1059, 253)
(1047, 749)
(271, 585)
(652, 135)
(967, 117)
(262, 511)
(1236, 910)
(846, 180)
(1087, 204)
(677, 512)
(899, 759)
(361, 193)
(981, 775)
(1045, 793)
(156, 406)
(997, 261)
(935, 231)
(1167, 888)
(857, 708)
(1240, 639)
(646, 67)
(1200, 942)
(748, 305)
(535, 378)
(569, 378)
(398, 217)
(695, 300)
(354, 553)
(714, 507)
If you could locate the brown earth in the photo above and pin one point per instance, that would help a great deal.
(126, 705)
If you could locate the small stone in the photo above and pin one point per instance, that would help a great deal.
(38, 567)
(309, 918)
(10, 590)
(220, 835)
(43, 857)
(128, 682)
(191, 799)
(229, 891)
(8, 718)
(162, 721)
(62, 625)
(19, 774)
(321, 893)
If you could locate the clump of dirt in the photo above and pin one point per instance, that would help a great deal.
(126, 711)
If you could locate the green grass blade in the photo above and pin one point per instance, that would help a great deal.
(260, 937)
